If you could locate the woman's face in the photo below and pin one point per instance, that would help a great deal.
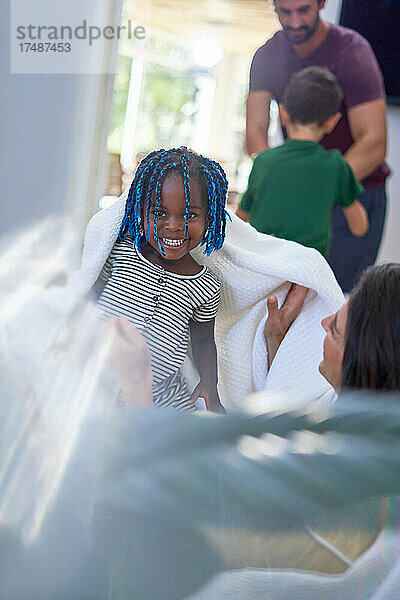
(331, 365)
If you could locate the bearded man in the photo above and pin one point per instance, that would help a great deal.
(306, 40)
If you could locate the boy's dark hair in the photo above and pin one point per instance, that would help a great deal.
(312, 96)
(145, 192)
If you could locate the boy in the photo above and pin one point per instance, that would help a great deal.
(292, 188)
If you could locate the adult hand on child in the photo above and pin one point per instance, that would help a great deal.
(130, 360)
(280, 319)
(210, 395)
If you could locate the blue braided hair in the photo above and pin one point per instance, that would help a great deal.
(146, 187)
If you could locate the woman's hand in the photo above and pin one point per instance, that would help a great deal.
(280, 319)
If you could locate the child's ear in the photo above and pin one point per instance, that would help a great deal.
(331, 123)
(284, 115)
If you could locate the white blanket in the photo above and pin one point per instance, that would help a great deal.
(374, 576)
(251, 266)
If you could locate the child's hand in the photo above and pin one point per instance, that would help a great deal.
(210, 395)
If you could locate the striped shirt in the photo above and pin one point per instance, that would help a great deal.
(160, 304)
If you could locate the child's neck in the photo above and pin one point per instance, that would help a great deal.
(305, 133)
(184, 266)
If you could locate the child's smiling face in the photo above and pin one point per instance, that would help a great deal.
(171, 219)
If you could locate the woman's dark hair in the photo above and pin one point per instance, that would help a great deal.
(372, 340)
(312, 96)
(145, 192)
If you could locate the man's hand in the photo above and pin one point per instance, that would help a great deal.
(279, 320)
(210, 395)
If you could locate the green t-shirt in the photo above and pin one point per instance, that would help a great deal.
(292, 189)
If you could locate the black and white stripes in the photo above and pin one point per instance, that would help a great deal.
(159, 303)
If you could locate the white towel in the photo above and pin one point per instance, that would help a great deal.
(251, 266)
(375, 575)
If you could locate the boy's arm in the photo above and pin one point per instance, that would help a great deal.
(205, 358)
(347, 193)
(357, 218)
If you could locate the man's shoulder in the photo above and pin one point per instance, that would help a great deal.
(342, 36)
(269, 64)
(354, 64)
(273, 45)
(346, 38)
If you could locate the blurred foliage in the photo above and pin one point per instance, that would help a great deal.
(120, 99)
(167, 102)
(166, 90)
(166, 109)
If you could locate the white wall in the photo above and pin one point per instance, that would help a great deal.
(35, 130)
(53, 135)
(331, 12)
(390, 249)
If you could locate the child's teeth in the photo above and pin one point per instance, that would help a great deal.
(173, 242)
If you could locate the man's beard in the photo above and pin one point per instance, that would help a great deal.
(304, 33)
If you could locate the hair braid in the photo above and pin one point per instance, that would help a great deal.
(217, 190)
(152, 188)
(146, 191)
(157, 197)
(186, 185)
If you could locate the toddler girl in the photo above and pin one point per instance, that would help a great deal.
(176, 202)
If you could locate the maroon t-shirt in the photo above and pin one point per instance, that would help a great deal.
(348, 56)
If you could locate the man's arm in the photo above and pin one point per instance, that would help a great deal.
(257, 121)
(242, 214)
(368, 127)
